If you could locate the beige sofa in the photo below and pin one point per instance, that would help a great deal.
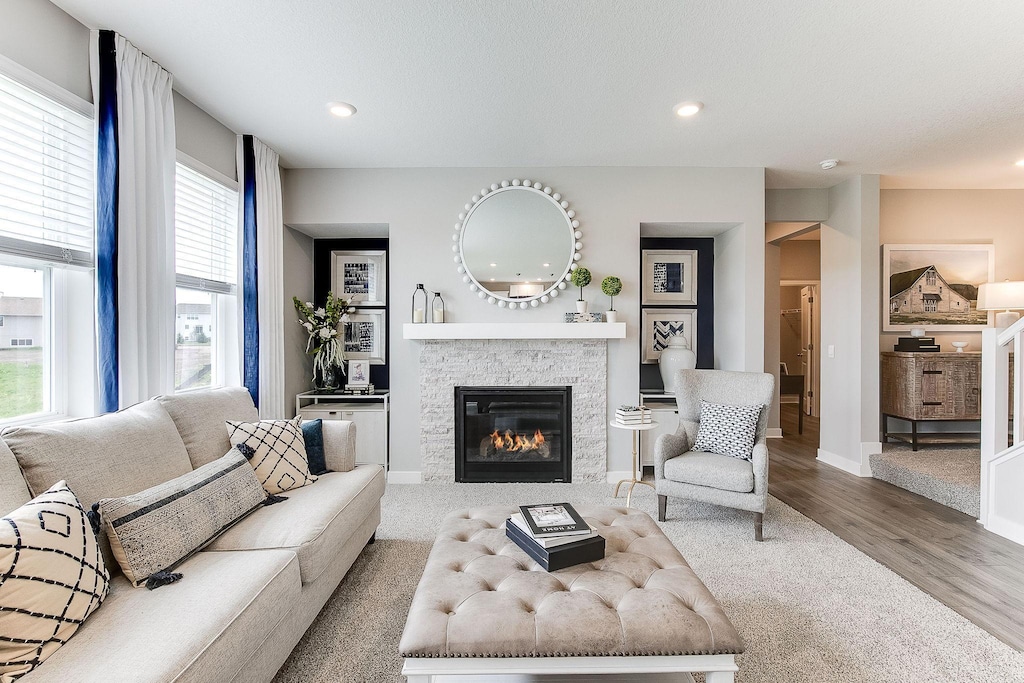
(246, 599)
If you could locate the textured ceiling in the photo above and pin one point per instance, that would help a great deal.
(928, 94)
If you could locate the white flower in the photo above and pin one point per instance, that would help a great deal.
(325, 333)
(334, 333)
(309, 304)
(321, 312)
(308, 326)
(344, 318)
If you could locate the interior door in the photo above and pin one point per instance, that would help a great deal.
(807, 327)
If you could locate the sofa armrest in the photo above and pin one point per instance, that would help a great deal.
(340, 445)
(667, 447)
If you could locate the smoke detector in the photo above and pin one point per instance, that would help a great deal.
(828, 164)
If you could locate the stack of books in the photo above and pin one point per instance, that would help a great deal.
(554, 535)
(916, 345)
(633, 415)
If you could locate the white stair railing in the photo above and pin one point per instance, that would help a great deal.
(1002, 464)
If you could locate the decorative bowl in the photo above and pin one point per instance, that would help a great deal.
(960, 345)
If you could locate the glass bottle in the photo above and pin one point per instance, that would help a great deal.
(437, 308)
(419, 305)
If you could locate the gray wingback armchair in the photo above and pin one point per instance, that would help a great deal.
(710, 477)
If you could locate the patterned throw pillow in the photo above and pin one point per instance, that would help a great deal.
(152, 531)
(727, 430)
(51, 578)
(276, 450)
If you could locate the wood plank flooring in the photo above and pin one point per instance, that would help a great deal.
(943, 552)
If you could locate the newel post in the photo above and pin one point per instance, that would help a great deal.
(995, 414)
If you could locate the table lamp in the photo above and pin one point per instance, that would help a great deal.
(1004, 296)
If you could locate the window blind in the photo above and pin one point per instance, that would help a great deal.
(47, 154)
(205, 232)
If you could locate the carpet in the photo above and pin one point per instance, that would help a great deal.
(950, 475)
(810, 607)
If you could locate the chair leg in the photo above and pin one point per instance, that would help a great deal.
(662, 507)
(758, 521)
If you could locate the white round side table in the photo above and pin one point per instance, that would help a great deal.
(635, 428)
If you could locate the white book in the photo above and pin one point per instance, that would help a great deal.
(549, 541)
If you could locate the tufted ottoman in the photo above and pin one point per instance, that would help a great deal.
(484, 607)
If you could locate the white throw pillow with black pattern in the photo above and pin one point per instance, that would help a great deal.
(276, 450)
(727, 430)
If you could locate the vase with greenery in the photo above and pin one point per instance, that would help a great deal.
(580, 278)
(324, 344)
(611, 286)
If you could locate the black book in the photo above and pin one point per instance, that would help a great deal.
(559, 557)
(554, 519)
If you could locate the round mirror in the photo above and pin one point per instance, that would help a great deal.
(516, 244)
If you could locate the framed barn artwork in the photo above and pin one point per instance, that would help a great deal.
(662, 323)
(669, 277)
(935, 286)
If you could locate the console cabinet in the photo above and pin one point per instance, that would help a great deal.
(368, 412)
(921, 387)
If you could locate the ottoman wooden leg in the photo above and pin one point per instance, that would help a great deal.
(662, 506)
(758, 521)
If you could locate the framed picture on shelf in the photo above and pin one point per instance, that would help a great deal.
(361, 276)
(662, 323)
(670, 277)
(935, 286)
(363, 336)
(358, 373)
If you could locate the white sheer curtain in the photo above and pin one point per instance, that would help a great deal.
(145, 224)
(264, 179)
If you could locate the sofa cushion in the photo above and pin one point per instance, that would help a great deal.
(51, 578)
(276, 450)
(200, 417)
(711, 469)
(13, 489)
(155, 529)
(315, 520)
(202, 629)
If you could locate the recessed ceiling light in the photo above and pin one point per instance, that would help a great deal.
(685, 109)
(341, 109)
(492, 279)
(546, 265)
(1020, 163)
(828, 164)
(494, 265)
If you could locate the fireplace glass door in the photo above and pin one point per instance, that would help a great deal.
(510, 434)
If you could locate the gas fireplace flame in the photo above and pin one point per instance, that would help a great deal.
(512, 442)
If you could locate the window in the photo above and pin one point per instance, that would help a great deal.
(205, 238)
(929, 278)
(46, 241)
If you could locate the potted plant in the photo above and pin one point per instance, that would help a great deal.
(611, 286)
(321, 325)
(580, 278)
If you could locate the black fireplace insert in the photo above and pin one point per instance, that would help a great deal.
(513, 434)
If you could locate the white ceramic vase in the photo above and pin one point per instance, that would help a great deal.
(675, 357)
(581, 306)
(611, 316)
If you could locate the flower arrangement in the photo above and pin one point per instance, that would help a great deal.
(321, 324)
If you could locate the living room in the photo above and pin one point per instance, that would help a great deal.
(354, 137)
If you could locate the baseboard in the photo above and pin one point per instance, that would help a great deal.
(867, 449)
(405, 477)
(774, 433)
(841, 463)
(613, 477)
(1006, 528)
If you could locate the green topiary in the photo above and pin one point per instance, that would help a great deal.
(580, 278)
(611, 286)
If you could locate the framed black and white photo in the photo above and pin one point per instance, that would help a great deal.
(662, 323)
(358, 374)
(363, 336)
(670, 277)
(361, 276)
(935, 286)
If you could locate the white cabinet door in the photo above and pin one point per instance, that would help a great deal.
(668, 421)
(371, 427)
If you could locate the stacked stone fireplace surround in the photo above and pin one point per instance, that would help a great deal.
(579, 363)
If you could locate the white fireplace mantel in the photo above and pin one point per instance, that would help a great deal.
(514, 330)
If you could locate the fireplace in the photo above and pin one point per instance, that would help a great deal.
(513, 434)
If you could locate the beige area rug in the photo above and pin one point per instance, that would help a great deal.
(810, 607)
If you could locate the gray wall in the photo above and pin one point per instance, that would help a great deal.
(41, 37)
(298, 281)
(421, 206)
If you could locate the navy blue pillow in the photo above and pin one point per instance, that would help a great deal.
(313, 436)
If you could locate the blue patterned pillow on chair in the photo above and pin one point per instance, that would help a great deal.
(727, 430)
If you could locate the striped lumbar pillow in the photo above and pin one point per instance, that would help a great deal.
(51, 578)
(276, 450)
(152, 531)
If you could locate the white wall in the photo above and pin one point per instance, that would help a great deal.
(298, 281)
(41, 37)
(421, 207)
(850, 322)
